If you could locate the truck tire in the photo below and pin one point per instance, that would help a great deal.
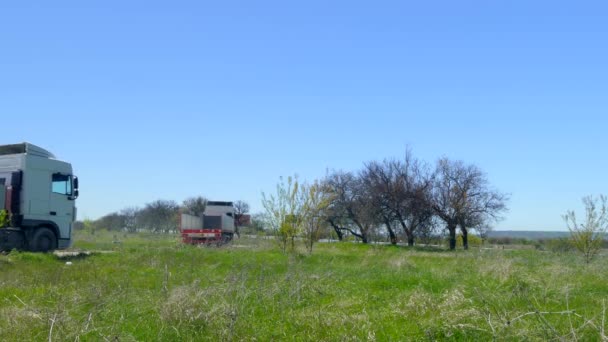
(43, 240)
(226, 238)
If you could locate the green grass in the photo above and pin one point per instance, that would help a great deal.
(151, 287)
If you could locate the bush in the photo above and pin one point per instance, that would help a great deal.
(588, 237)
(560, 245)
(474, 241)
(4, 218)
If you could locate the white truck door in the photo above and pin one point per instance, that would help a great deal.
(61, 207)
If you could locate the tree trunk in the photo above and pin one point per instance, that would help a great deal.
(336, 229)
(363, 236)
(392, 236)
(391, 232)
(309, 246)
(452, 230)
(339, 234)
(465, 238)
(363, 231)
(409, 233)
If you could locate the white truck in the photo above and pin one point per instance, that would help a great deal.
(214, 226)
(37, 195)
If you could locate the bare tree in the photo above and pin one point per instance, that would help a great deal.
(241, 208)
(338, 185)
(336, 218)
(160, 216)
(401, 190)
(379, 182)
(587, 237)
(414, 183)
(194, 205)
(129, 217)
(429, 231)
(112, 221)
(363, 213)
(352, 205)
(462, 197)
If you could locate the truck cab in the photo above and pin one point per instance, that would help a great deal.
(38, 192)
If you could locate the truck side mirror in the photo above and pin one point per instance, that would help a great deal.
(74, 195)
(76, 185)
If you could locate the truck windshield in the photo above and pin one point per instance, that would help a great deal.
(62, 184)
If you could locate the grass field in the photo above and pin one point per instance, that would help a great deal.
(153, 288)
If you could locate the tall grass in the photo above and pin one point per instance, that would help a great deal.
(154, 288)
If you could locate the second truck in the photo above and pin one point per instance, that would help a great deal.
(214, 226)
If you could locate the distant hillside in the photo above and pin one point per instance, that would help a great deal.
(530, 235)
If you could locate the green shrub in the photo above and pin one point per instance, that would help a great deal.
(474, 241)
(560, 245)
(5, 219)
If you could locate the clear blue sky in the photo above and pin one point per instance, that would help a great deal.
(170, 99)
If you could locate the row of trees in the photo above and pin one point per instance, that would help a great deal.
(160, 216)
(403, 199)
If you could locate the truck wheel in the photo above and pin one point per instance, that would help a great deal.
(44, 240)
(226, 238)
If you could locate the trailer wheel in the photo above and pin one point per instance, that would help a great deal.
(226, 238)
(44, 240)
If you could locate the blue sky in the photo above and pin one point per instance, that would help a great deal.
(152, 99)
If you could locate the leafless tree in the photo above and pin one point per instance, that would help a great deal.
(241, 208)
(336, 218)
(463, 198)
(429, 232)
(194, 205)
(401, 190)
(378, 181)
(160, 216)
(129, 216)
(337, 183)
(113, 221)
(351, 205)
